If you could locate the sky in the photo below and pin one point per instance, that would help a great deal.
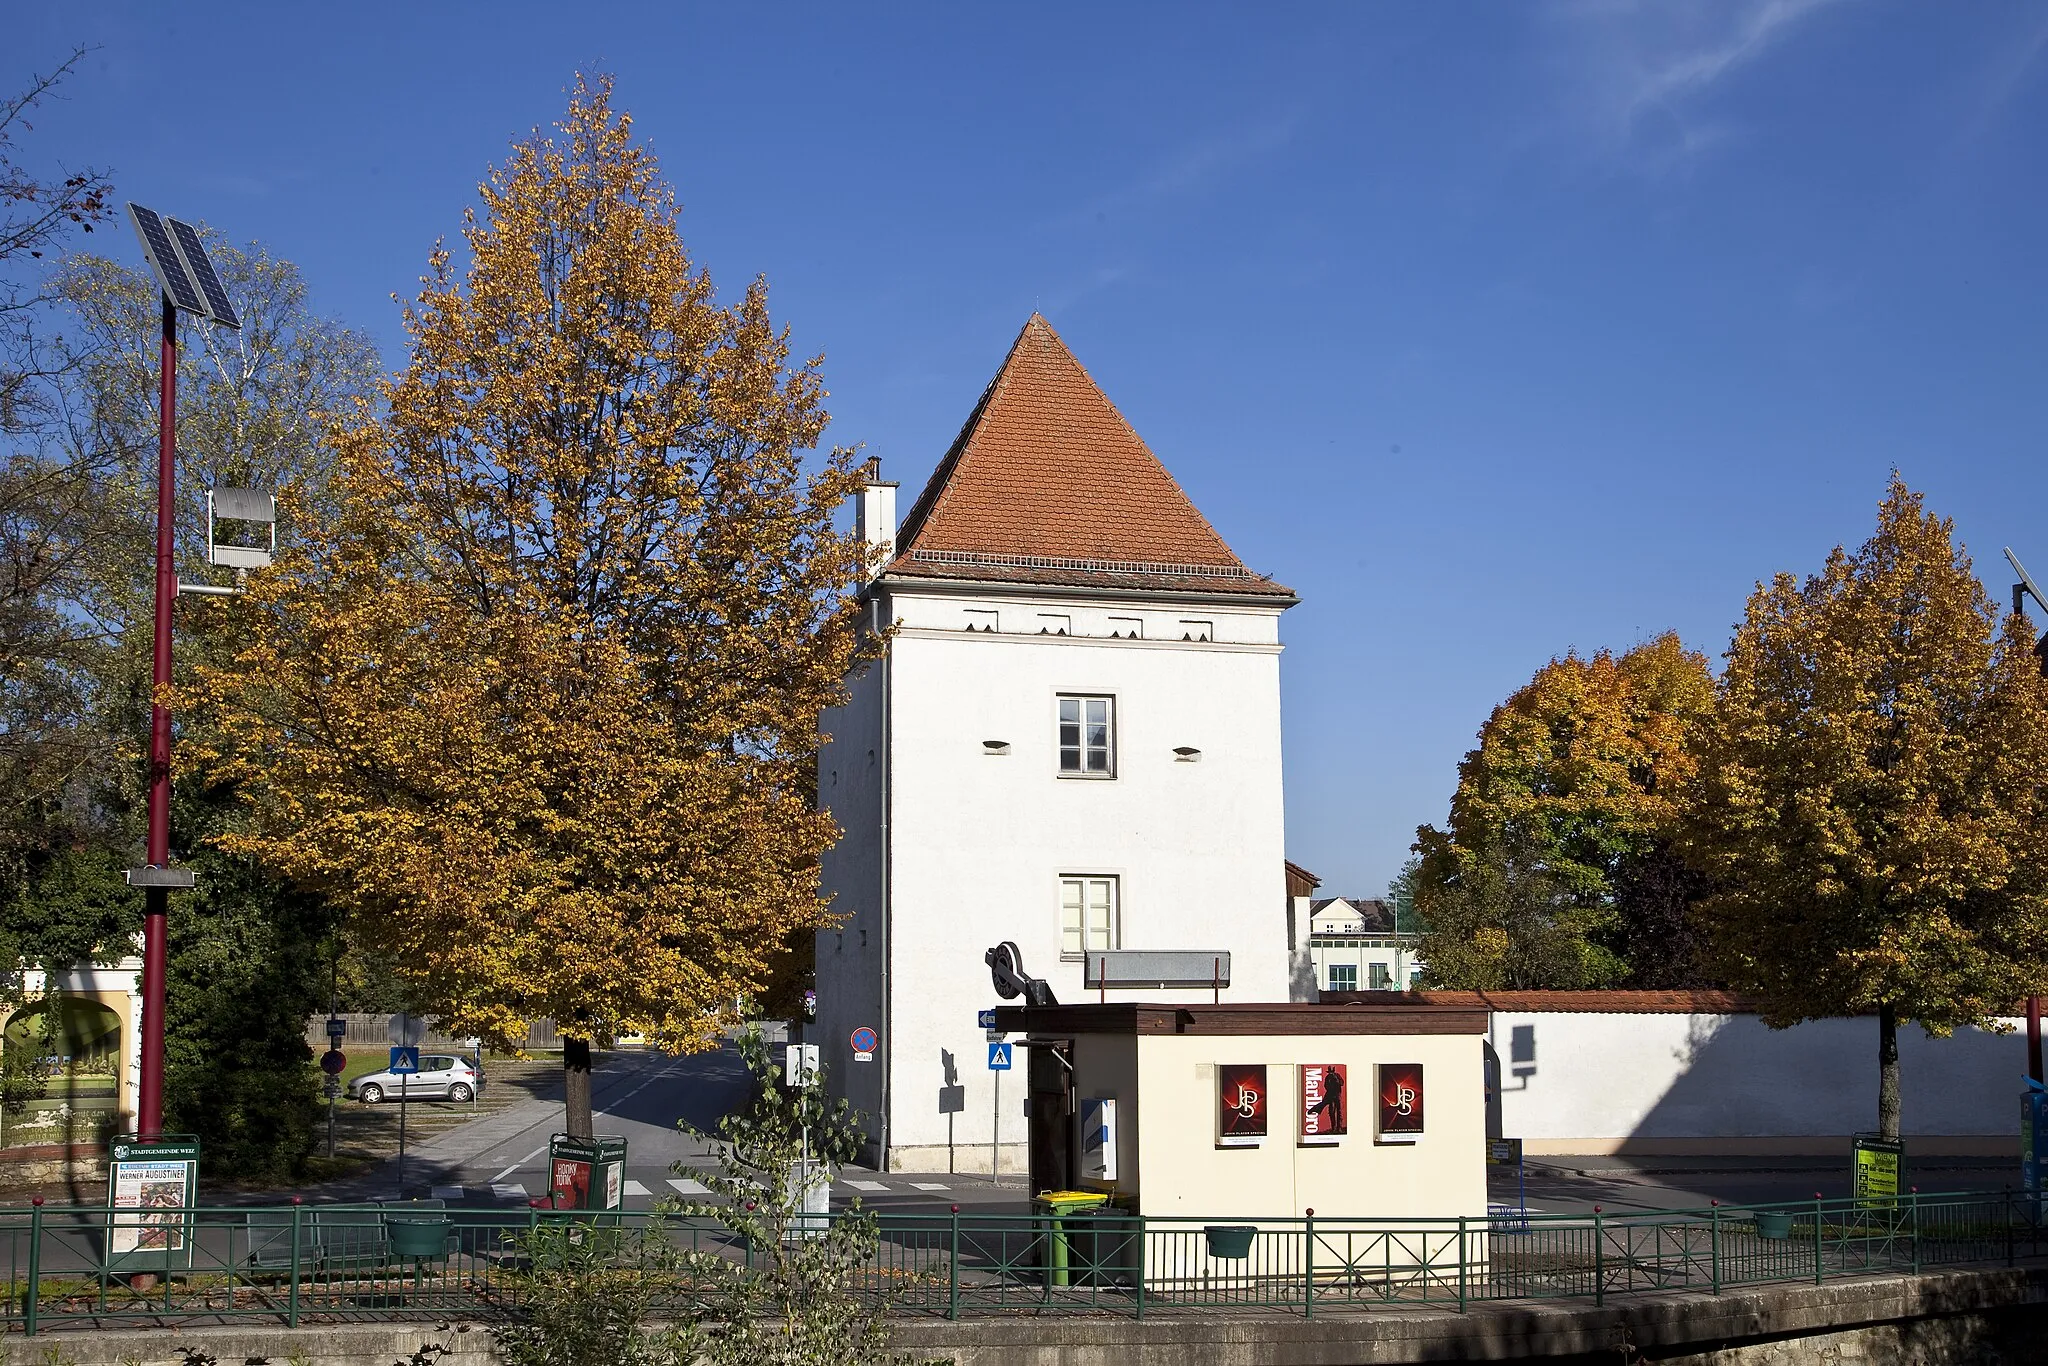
(1495, 331)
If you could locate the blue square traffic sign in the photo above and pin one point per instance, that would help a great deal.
(999, 1056)
(405, 1061)
(984, 1019)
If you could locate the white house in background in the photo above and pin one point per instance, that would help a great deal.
(1072, 742)
(1354, 945)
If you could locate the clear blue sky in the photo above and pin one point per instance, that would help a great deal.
(1495, 330)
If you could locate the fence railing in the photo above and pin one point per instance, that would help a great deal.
(68, 1266)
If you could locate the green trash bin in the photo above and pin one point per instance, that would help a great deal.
(1060, 1204)
(1106, 1247)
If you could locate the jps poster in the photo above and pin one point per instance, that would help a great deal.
(1400, 1087)
(1323, 1108)
(1240, 1104)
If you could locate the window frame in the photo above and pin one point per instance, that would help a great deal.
(1059, 747)
(1113, 930)
(1330, 974)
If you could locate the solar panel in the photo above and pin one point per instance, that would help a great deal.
(217, 306)
(163, 259)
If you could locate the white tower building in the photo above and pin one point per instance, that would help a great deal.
(1072, 742)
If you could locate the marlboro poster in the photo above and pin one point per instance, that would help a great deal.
(1240, 1104)
(1400, 1088)
(1323, 1108)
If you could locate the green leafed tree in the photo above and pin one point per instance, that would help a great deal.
(1555, 869)
(1871, 806)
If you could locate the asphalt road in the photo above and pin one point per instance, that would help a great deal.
(501, 1160)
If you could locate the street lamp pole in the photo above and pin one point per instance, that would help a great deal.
(149, 1118)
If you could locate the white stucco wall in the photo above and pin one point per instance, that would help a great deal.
(978, 842)
(1700, 1083)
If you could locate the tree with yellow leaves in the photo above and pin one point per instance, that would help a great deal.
(1555, 870)
(1871, 804)
(537, 697)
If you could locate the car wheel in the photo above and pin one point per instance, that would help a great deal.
(370, 1094)
(461, 1091)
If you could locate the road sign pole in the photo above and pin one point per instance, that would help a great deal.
(403, 1079)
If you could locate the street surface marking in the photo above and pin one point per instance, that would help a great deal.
(508, 1190)
(929, 1186)
(685, 1186)
(517, 1165)
(635, 1188)
(867, 1185)
(448, 1192)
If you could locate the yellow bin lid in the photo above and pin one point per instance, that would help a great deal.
(1071, 1200)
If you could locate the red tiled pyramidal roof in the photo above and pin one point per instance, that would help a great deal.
(1047, 483)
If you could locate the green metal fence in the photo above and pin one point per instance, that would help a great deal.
(332, 1263)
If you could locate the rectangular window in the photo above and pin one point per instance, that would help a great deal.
(1381, 979)
(1088, 737)
(1088, 917)
(1343, 977)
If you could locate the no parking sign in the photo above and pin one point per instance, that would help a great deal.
(865, 1041)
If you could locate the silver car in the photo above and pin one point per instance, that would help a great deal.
(442, 1076)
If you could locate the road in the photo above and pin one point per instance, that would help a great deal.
(640, 1096)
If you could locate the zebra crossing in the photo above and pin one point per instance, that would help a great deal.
(517, 1191)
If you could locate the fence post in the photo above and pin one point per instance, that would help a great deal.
(1714, 1246)
(298, 1218)
(35, 1266)
(1308, 1265)
(1819, 1275)
(1599, 1259)
(953, 1270)
(1461, 1263)
(1144, 1259)
(1914, 1193)
(2008, 1225)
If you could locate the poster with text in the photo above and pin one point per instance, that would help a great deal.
(1240, 1104)
(1323, 1106)
(571, 1183)
(156, 1191)
(1400, 1102)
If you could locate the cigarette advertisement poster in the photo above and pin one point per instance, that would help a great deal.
(1241, 1105)
(571, 1183)
(149, 1195)
(1323, 1109)
(1400, 1088)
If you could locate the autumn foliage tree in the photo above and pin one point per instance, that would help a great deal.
(1871, 808)
(537, 699)
(1556, 869)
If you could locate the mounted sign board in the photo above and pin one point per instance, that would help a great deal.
(984, 1019)
(1241, 1106)
(334, 1062)
(1400, 1096)
(1097, 1125)
(404, 1062)
(865, 1041)
(337, 1028)
(1503, 1152)
(999, 1057)
(799, 1063)
(1878, 1169)
(150, 1184)
(407, 1029)
(1325, 1106)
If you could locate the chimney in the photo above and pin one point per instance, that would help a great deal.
(874, 518)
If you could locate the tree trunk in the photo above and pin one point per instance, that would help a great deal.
(1888, 1072)
(576, 1087)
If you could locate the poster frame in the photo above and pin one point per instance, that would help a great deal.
(164, 1164)
(1340, 1129)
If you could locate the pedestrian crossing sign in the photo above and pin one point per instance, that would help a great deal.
(999, 1056)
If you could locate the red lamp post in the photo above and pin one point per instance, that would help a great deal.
(189, 285)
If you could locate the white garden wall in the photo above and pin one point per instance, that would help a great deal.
(1701, 1082)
